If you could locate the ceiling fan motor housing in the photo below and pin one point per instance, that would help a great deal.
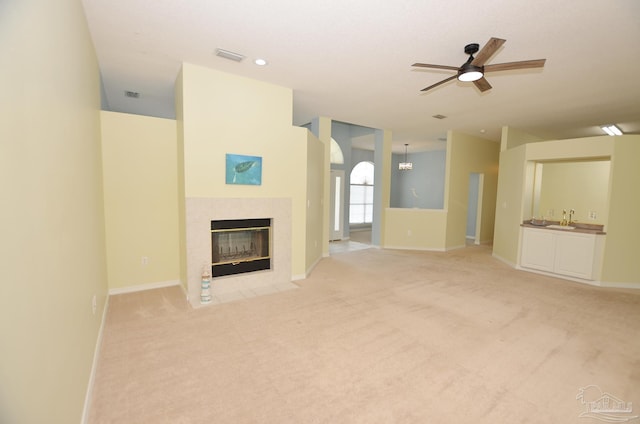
(472, 48)
(467, 67)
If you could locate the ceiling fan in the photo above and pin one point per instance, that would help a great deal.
(474, 68)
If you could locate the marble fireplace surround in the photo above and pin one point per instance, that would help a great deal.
(199, 212)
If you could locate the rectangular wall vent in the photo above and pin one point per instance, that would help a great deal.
(132, 94)
(237, 57)
(439, 116)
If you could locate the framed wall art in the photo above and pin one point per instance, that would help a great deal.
(241, 169)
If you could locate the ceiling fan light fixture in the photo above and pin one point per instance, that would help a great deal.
(470, 73)
(611, 129)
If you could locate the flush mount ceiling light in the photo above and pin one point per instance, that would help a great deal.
(260, 62)
(236, 57)
(406, 165)
(611, 129)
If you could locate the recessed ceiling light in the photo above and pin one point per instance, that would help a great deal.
(260, 62)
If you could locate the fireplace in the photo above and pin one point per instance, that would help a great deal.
(240, 245)
(198, 255)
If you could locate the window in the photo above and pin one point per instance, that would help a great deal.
(361, 202)
(336, 153)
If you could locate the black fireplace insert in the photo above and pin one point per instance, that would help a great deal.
(240, 245)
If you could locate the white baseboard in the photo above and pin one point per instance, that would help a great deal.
(635, 286)
(424, 249)
(184, 291)
(462, 246)
(596, 283)
(142, 287)
(94, 365)
(311, 268)
(503, 260)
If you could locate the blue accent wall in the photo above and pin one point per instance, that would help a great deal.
(423, 186)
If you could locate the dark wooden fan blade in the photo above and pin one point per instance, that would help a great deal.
(487, 51)
(482, 84)
(508, 66)
(426, 65)
(438, 83)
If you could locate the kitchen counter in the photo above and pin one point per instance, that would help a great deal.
(579, 227)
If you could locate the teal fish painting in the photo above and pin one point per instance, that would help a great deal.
(241, 169)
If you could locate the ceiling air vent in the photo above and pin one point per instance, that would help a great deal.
(439, 116)
(132, 94)
(237, 57)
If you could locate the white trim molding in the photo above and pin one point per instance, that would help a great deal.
(142, 287)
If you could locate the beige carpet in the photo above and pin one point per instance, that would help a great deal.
(374, 336)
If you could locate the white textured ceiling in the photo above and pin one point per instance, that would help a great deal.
(350, 60)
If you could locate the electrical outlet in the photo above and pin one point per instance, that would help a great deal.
(593, 215)
(145, 260)
(550, 212)
(409, 233)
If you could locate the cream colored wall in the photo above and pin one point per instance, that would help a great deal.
(513, 137)
(621, 265)
(224, 113)
(315, 231)
(581, 186)
(509, 204)
(141, 199)
(382, 186)
(420, 229)
(575, 148)
(465, 155)
(52, 221)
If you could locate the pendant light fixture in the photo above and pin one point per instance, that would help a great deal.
(406, 165)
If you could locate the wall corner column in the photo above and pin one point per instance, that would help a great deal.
(382, 184)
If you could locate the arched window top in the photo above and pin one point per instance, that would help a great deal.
(336, 153)
(362, 173)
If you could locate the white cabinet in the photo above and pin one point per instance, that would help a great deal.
(538, 249)
(575, 254)
(561, 252)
